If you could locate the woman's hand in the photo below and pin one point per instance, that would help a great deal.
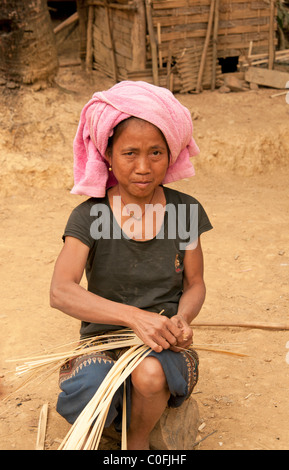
(186, 338)
(157, 331)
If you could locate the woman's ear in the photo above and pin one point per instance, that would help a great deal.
(108, 155)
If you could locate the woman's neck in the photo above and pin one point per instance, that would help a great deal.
(138, 215)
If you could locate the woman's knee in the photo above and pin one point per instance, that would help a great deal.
(149, 378)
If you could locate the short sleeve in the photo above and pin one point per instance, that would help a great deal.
(204, 224)
(79, 223)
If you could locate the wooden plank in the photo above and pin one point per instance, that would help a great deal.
(201, 33)
(115, 6)
(159, 5)
(265, 77)
(192, 18)
(138, 37)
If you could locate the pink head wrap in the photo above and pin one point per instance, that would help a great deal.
(106, 110)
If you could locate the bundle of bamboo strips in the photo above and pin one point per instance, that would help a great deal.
(86, 432)
(100, 343)
(85, 346)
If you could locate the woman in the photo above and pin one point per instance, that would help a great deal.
(135, 241)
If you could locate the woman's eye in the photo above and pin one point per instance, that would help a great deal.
(129, 154)
(156, 154)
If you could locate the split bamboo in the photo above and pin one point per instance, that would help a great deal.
(260, 326)
(41, 432)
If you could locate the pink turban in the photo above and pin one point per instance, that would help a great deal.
(106, 109)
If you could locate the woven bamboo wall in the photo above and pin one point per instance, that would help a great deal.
(121, 42)
(184, 22)
(118, 37)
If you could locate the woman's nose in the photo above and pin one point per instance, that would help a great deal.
(142, 165)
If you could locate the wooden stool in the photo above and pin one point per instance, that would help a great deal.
(176, 430)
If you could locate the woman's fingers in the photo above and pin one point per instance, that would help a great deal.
(186, 338)
(158, 332)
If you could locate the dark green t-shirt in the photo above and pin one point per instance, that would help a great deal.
(146, 274)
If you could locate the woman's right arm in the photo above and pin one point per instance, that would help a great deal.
(68, 296)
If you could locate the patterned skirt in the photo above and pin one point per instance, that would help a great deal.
(81, 376)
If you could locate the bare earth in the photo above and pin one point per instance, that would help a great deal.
(242, 181)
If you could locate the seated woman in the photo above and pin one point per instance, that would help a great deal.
(139, 243)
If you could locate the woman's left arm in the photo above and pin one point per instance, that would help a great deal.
(194, 292)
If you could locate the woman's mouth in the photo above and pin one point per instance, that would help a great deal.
(142, 184)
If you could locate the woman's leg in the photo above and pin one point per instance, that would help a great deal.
(150, 396)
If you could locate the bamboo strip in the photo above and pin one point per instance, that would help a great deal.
(124, 420)
(84, 434)
(284, 52)
(41, 433)
(46, 360)
(261, 326)
(89, 414)
(72, 19)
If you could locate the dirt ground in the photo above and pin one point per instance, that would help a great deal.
(242, 181)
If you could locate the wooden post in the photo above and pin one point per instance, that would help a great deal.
(111, 45)
(207, 40)
(215, 44)
(272, 36)
(159, 44)
(89, 46)
(138, 37)
(169, 68)
(82, 15)
(153, 42)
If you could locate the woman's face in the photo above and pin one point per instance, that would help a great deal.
(139, 158)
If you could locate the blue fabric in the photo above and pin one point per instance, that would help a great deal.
(81, 377)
